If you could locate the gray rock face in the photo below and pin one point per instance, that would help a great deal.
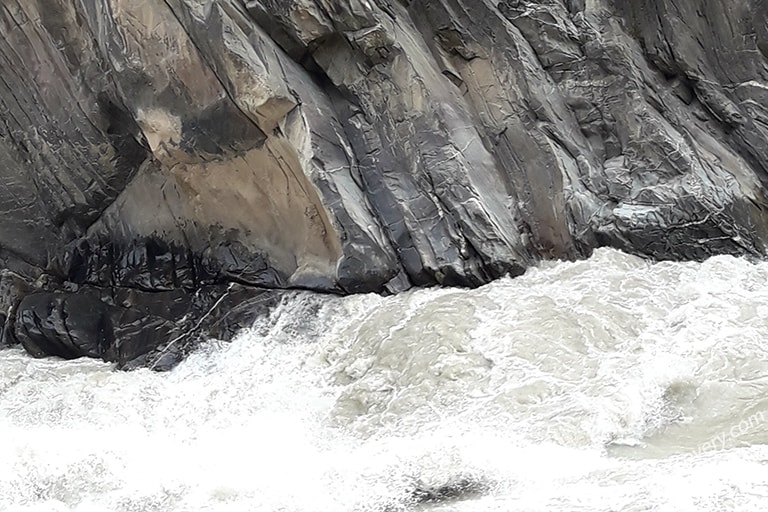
(166, 149)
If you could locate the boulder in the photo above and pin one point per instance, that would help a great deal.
(133, 328)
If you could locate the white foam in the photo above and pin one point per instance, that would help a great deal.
(607, 384)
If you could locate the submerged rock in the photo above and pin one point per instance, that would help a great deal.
(457, 489)
(166, 150)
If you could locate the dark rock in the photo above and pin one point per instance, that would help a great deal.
(457, 489)
(64, 325)
(135, 328)
(152, 154)
(13, 288)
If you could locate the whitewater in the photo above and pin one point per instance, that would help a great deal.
(611, 384)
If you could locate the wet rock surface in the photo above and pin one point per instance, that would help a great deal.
(134, 328)
(153, 154)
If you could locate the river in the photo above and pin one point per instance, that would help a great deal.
(611, 384)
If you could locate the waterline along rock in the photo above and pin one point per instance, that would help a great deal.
(165, 164)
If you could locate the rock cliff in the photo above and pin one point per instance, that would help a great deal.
(163, 163)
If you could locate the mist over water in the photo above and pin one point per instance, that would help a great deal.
(611, 384)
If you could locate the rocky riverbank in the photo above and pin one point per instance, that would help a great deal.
(163, 165)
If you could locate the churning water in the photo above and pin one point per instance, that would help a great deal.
(611, 384)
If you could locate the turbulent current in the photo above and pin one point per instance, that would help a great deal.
(611, 384)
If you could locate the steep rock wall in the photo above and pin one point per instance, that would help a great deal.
(174, 146)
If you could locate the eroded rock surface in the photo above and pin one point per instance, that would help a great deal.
(165, 150)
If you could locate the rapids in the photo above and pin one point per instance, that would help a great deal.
(612, 384)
